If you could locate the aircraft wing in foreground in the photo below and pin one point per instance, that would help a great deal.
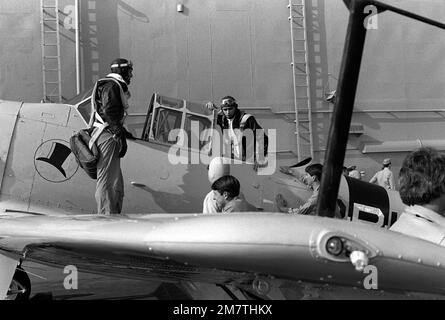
(256, 250)
(259, 249)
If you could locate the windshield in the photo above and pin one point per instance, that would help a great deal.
(81, 96)
(166, 114)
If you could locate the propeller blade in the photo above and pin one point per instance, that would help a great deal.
(302, 163)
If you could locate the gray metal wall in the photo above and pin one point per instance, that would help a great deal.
(242, 48)
(213, 48)
(20, 66)
(401, 83)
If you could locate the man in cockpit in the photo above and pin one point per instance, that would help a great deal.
(422, 188)
(236, 126)
(109, 104)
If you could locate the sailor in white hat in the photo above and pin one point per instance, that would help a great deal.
(384, 177)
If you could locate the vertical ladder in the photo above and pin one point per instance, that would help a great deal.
(301, 80)
(50, 42)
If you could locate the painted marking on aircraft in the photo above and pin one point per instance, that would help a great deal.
(369, 203)
(54, 161)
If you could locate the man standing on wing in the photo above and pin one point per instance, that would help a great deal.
(109, 104)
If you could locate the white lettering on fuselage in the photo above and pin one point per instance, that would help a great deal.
(371, 210)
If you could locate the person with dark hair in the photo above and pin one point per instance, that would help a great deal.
(109, 101)
(217, 168)
(353, 172)
(234, 123)
(384, 177)
(312, 178)
(422, 188)
(226, 192)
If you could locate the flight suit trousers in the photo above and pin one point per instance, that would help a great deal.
(110, 185)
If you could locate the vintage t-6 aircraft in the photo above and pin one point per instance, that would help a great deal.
(43, 185)
(46, 205)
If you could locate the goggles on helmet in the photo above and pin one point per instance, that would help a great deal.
(228, 103)
(127, 64)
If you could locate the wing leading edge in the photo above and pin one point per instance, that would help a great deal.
(221, 249)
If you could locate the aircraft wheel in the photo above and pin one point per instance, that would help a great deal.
(20, 288)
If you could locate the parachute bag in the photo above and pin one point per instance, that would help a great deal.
(86, 158)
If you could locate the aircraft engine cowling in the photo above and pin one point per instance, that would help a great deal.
(366, 202)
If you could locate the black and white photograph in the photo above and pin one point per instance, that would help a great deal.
(208, 151)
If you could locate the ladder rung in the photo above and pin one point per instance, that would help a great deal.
(50, 20)
(50, 31)
(307, 144)
(52, 82)
(292, 18)
(51, 57)
(301, 85)
(50, 44)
